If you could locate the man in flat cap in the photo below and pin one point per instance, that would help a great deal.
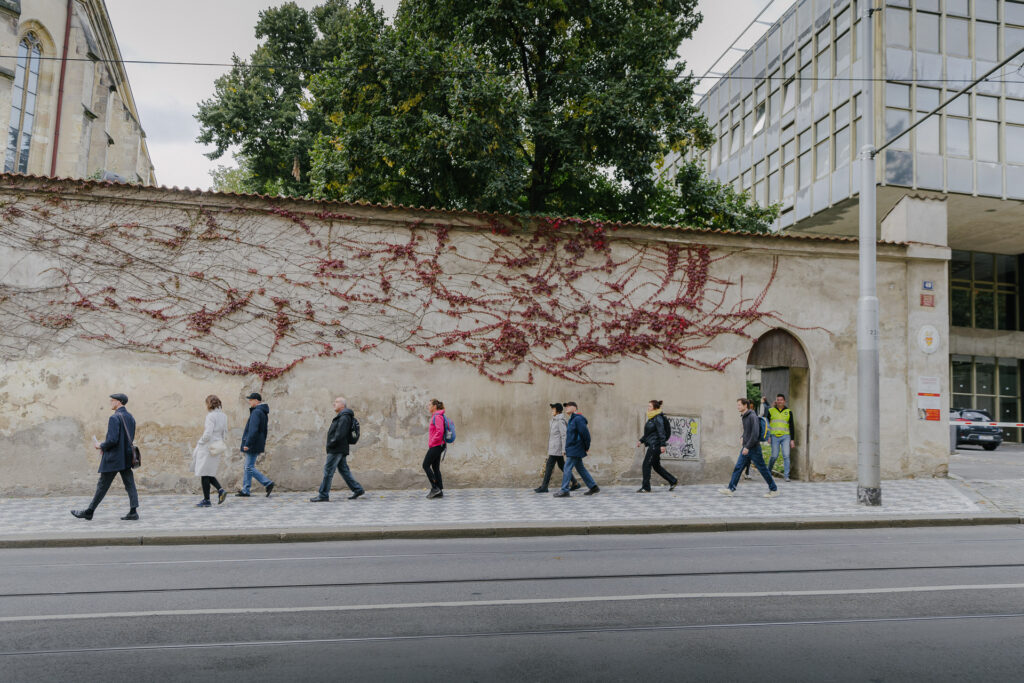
(116, 458)
(254, 440)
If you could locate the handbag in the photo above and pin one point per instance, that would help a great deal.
(136, 454)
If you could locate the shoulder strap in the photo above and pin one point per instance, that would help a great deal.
(130, 439)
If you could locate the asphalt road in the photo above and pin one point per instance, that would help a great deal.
(974, 462)
(855, 605)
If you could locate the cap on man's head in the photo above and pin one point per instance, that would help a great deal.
(557, 407)
(254, 397)
(120, 397)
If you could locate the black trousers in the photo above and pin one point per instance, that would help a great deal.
(103, 485)
(206, 486)
(652, 460)
(432, 466)
(549, 467)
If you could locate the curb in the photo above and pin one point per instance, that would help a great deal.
(506, 531)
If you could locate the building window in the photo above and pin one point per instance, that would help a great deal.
(23, 105)
(983, 291)
(988, 384)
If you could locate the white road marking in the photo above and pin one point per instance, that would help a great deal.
(511, 602)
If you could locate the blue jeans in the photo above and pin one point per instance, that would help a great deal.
(753, 456)
(251, 471)
(337, 462)
(577, 463)
(780, 443)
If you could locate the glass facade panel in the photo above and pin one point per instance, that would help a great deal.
(987, 10)
(984, 268)
(984, 309)
(958, 7)
(960, 307)
(1006, 269)
(926, 31)
(1006, 311)
(842, 147)
(1013, 13)
(961, 375)
(928, 136)
(1015, 144)
(987, 107)
(928, 99)
(958, 137)
(986, 42)
(899, 167)
(985, 376)
(986, 137)
(957, 42)
(897, 27)
(843, 52)
(1008, 377)
(821, 152)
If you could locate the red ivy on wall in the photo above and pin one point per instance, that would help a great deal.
(255, 292)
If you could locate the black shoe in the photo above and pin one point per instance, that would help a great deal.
(590, 492)
(575, 485)
(541, 489)
(562, 494)
(241, 495)
(270, 487)
(356, 495)
(221, 496)
(672, 486)
(643, 490)
(433, 493)
(132, 516)
(82, 514)
(440, 494)
(318, 499)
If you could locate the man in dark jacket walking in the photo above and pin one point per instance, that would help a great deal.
(117, 457)
(337, 453)
(751, 451)
(254, 440)
(577, 443)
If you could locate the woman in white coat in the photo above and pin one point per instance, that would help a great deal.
(212, 444)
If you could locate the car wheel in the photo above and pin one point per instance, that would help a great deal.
(990, 446)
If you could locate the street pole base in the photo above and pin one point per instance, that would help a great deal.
(869, 496)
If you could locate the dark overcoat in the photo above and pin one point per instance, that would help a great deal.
(337, 435)
(116, 447)
(254, 437)
(577, 437)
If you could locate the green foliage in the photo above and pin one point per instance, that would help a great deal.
(239, 180)
(539, 106)
(753, 392)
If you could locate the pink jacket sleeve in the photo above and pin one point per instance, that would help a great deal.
(436, 436)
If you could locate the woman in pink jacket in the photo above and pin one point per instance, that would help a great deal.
(435, 449)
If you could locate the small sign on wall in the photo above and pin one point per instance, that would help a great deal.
(928, 300)
(684, 444)
(929, 399)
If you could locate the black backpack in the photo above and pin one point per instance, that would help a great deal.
(353, 435)
(668, 426)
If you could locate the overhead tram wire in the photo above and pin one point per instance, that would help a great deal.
(564, 73)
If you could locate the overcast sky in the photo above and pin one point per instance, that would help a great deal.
(213, 30)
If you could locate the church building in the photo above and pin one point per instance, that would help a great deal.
(65, 95)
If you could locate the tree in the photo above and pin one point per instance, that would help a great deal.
(565, 107)
(237, 179)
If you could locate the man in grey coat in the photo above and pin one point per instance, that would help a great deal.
(556, 449)
(117, 457)
(750, 451)
(337, 453)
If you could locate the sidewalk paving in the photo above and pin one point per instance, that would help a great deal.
(174, 519)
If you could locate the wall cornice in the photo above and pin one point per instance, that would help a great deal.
(12, 6)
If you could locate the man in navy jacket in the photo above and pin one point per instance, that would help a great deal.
(577, 443)
(254, 440)
(116, 458)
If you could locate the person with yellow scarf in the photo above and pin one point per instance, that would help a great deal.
(656, 432)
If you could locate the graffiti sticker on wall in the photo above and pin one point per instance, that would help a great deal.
(685, 440)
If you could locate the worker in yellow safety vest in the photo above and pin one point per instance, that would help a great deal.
(782, 433)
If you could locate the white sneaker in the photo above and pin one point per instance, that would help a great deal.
(726, 492)
(772, 494)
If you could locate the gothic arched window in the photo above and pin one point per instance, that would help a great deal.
(23, 105)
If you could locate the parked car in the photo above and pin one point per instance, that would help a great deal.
(985, 436)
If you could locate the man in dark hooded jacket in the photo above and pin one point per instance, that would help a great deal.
(750, 451)
(337, 453)
(577, 443)
(117, 457)
(254, 440)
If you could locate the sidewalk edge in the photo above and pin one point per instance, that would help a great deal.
(505, 531)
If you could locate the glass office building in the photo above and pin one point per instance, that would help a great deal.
(786, 119)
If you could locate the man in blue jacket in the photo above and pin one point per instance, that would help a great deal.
(254, 440)
(117, 457)
(577, 443)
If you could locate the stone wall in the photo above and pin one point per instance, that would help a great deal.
(82, 267)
